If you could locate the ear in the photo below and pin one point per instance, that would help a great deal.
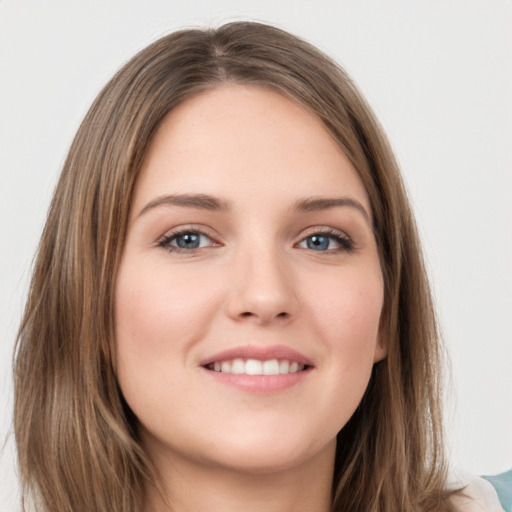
(381, 348)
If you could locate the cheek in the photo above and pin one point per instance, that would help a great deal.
(348, 308)
(152, 308)
(347, 316)
(156, 320)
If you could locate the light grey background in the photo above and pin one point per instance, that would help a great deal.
(439, 76)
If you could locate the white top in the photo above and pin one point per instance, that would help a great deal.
(478, 496)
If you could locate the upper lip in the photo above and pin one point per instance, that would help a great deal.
(258, 352)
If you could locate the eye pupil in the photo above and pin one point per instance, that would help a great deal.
(317, 242)
(188, 241)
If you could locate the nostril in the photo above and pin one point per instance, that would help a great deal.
(248, 314)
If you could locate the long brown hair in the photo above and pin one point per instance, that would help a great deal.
(78, 446)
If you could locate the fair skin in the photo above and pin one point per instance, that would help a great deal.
(249, 249)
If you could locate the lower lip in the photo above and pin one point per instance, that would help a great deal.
(262, 384)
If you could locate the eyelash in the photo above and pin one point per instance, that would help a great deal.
(345, 242)
(167, 240)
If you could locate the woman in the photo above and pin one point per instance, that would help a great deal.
(229, 307)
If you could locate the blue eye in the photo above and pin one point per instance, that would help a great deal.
(186, 240)
(323, 242)
(318, 243)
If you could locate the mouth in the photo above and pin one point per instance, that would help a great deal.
(258, 360)
(241, 366)
(258, 369)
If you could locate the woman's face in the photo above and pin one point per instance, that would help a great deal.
(250, 290)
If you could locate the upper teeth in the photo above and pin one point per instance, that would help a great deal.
(256, 367)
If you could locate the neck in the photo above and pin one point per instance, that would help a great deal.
(194, 487)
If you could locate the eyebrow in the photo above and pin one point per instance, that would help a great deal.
(212, 203)
(325, 203)
(197, 201)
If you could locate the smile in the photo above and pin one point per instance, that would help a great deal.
(258, 369)
(241, 366)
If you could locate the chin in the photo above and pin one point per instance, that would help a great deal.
(265, 454)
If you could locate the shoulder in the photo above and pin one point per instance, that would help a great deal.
(477, 496)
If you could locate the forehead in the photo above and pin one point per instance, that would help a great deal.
(244, 135)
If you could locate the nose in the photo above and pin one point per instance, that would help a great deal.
(262, 289)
